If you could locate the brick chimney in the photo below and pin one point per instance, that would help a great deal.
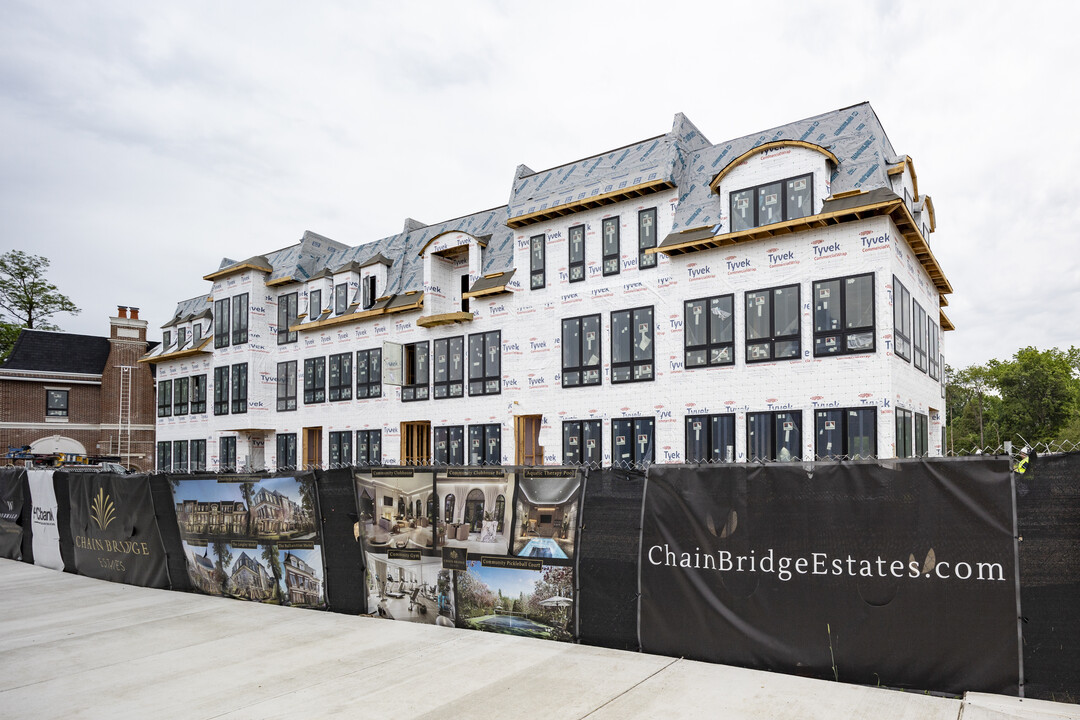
(128, 328)
(121, 311)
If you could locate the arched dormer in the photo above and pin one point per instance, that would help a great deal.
(452, 263)
(773, 182)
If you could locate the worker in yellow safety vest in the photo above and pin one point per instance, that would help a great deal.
(1022, 463)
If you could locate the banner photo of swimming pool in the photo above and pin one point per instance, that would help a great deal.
(412, 588)
(547, 505)
(900, 574)
(516, 596)
(475, 511)
(252, 537)
(397, 507)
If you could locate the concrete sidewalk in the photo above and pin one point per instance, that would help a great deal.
(75, 647)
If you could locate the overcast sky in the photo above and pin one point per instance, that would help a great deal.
(142, 142)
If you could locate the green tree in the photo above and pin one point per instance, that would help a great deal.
(27, 299)
(1039, 392)
(270, 557)
(224, 560)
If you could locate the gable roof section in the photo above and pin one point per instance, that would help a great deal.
(58, 352)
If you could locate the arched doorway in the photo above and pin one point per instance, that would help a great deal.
(449, 515)
(500, 511)
(474, 509)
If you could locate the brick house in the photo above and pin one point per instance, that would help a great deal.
(81, 394)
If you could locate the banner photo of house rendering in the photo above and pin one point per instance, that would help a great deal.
(11, 512)
(397, 509)
(546, 514)
(900, 574)
(476, 509)
(114, 529)
(44, 524)
(253, 537)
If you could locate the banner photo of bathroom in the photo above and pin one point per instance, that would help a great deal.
(253, 537)
(546, 511)
(396, 510)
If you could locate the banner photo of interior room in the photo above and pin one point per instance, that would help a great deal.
(546, 515)
(475, 510)
(516, 601)
(417, 591)
(396, 510)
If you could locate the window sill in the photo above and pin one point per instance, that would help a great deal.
(55, 419)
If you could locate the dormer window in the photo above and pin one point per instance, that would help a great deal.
(196, 332)
(369, 293)
(181, 338)
(314, 304)
(166, 339)
(341, 298)
(772, 203)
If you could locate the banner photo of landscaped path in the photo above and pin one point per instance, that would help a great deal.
(252, 537)
(516, 597)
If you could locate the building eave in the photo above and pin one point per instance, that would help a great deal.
(589, 203)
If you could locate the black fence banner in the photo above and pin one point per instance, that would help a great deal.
(1048, 515)
(114, 530)
(607, 558)
(253, 537)
(900, 573)
(341, 543)
(14, 516)
(165, 512)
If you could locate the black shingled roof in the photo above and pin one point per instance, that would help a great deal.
(46, 351)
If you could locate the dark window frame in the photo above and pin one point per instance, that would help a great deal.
(180, 448)
(164, 456)
(844, 433)
(636, 366)
(582, 431)
(197, 455)
(239, 392)
(612, 262)
(708, 450)
(222, 315)
(240, 311)
(773, 339)
(315, 380)
(453, 383)
(369, 296)
(181, 388)
(198, 394)
(227, 452)
(286, 386)
(339, 377)
(164, 399)
(286, 446)
(776, 446)
(415, 388)
(341, 298)
(714, 351)
(489, 453)
(221, 390)
(314, 304)
(446, 455)
(485, 374)
(901, 320)
(904, 433)
(371, 449)
(921, 435)
(919, 319)
(537, 262)
(58, 409)
(842, 337)
(754, 204)
(340, 447)
(586, 374)
(371, 363)
(288, 315)
(933, 348)
(646, 219)
(638, 427)
(576, 267)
